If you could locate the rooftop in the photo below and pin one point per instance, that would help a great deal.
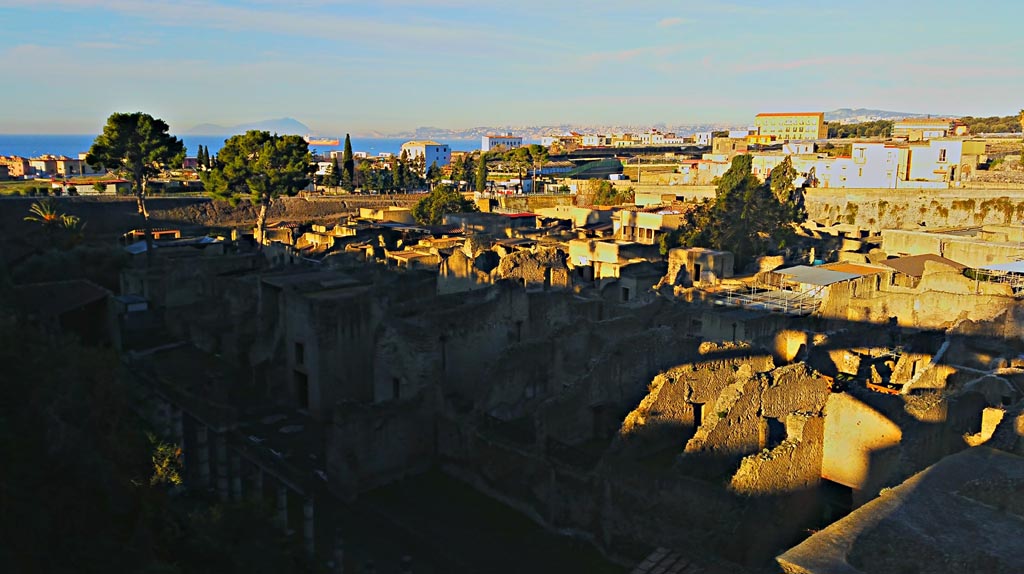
(782, 114)
(914, 264)
(962, 514)
(58, 297)
(816, 275)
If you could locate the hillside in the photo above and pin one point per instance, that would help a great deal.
(866, 115)
(280, 126)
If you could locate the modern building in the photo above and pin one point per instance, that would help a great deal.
(792, 126)
(920, 129)
(431, 152)
(507, 141)
(17, 167)
(45, 166)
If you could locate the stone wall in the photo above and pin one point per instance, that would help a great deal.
(887, 208)
(116, 215)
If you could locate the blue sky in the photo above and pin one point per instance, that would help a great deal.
(392, 65)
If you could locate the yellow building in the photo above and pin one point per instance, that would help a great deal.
(794, 126)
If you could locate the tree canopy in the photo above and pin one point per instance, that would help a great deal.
(441, 200)
(993, 124)
(603, 192)
(137, 147)
(481, 173)
(877, 128)
(260, 167)
(747, 217)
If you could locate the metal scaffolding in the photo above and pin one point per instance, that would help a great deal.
(771, 299)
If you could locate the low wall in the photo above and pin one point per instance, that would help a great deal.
(115, 215)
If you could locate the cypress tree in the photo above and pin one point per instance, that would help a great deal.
(348, 164)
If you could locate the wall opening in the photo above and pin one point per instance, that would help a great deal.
(838, 500)
(773, 432)
(301, 388)
(698, 414)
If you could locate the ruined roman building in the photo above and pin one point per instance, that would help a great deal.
(674, 412)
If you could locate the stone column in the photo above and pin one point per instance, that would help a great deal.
(164, 414)
(220, 453)
(203, 454)
(282, 507)
(339, 554)
(177, 427)
(257, 483)
(307, 526)
(178, 436)
(236, 477)
(406, 565)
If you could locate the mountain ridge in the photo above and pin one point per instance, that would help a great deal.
(277, 125)
(867, 114)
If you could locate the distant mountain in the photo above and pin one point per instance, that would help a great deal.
(280, 126)
(537, 132)
(867, 115)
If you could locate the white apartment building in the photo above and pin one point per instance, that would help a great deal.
(431, 152)
(508, 141)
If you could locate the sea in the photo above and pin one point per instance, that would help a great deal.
(26, 145)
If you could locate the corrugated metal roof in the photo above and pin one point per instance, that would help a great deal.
(914, 264)
(1011, 267)
(816, 275)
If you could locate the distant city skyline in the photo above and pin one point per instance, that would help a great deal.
(394, 65)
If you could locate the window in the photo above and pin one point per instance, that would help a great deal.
(942, 154)
(300, 354)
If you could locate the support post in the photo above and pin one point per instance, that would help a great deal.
(282, 507)
(220, 449)
(257, 483)
(307, 526)
(339, 554)
(177, 427)
(236, 477)
(203, 454)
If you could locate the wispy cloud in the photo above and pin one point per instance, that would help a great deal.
(307, 21)
(800, 63)
(672, 21)
(621, 56)
(100, 46)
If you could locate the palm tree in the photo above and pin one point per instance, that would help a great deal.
(44, 212)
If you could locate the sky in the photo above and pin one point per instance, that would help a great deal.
(344, 66)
